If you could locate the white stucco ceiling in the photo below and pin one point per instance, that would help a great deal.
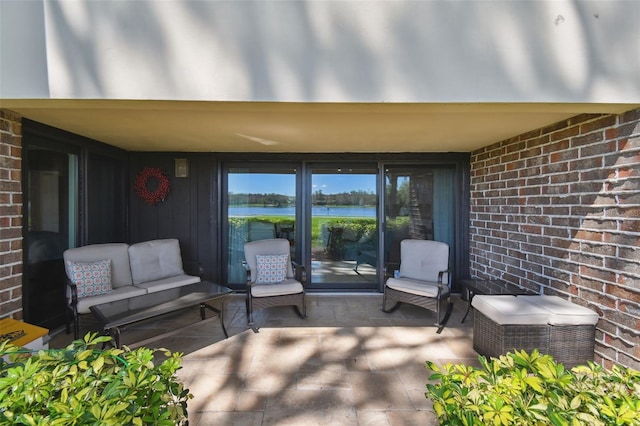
(297, 127)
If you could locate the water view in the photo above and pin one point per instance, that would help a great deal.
(332, 211)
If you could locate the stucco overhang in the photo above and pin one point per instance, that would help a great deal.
(297, 127)
(315, 76)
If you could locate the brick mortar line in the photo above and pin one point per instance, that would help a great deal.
(569, 262)
(617, 332)
(568, 228)
(506, 181)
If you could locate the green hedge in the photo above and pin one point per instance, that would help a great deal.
(359, 226)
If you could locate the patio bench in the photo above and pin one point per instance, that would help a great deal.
(101, 273)
(550, 324)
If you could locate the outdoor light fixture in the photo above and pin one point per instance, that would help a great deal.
(182, 167)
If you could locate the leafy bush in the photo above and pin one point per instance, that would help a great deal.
(358, 227)
(83, 385)
(398, 224)
(532, 389)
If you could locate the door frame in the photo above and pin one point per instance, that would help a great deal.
(307, 211)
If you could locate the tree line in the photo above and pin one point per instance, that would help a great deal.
(353, 198)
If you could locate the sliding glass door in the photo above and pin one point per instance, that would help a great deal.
(330, 213)
(261, 204)
(335, 217)
(343, 231)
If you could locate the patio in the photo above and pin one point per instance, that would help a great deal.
(348, 363)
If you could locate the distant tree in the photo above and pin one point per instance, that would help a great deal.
(353, 198)
(318, 198)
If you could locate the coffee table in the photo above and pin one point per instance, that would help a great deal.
(114, 315)
(492, 287)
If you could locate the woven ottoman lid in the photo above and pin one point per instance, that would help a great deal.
(563, 312)
(509, 310)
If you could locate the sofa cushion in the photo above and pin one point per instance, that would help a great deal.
(116, 294)
(117, 252)
(91, 279)
(509, 310)
(155, 260)
(271, 268)
(169, 282)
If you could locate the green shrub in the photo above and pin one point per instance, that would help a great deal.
(532, 389)
(358, 227)
(83, 385)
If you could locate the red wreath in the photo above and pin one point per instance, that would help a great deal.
(141, 185)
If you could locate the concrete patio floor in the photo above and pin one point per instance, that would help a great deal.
(348, 363)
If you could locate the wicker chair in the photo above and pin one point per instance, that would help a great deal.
(272, 278)
(424, 279)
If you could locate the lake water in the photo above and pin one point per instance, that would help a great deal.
(315, 211)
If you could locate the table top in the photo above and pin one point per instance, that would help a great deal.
(138, 308)
(495, 287)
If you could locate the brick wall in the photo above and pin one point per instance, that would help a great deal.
(557, 210)
(10, 215)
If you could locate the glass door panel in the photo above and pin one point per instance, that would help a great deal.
(344, 232)
(419, 204)
(52, 228)
(261, 204)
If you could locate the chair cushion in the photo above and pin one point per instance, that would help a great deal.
(91, 279)
(509, 310)
(169, 282)
(115, 294)
(117, 252)
(288, 286)
(417, 287)
(423, 260)
(266, 247)
(271, 268)
(154, 260)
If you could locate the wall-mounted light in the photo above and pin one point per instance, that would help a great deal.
(182, 167)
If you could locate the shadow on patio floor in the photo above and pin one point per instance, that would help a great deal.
(348, 363)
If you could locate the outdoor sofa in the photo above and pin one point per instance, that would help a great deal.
(101, 273)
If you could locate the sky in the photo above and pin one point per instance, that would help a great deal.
(263, 183)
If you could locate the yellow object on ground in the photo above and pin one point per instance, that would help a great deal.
(23, 334)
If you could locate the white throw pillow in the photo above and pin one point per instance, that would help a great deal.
(271, 268)
(91, 279)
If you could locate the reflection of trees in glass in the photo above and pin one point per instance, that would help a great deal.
(402, 195)
(318, 198)
(398, 195)
(410, 193)
(264, 200)
(353, 198)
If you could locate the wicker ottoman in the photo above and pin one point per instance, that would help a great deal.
(550, 324)
(503, 323)
(572, 329)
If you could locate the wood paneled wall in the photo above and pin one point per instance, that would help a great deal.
(188, 213)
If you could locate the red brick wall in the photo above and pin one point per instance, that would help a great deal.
(557, 210)
(10, 215)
